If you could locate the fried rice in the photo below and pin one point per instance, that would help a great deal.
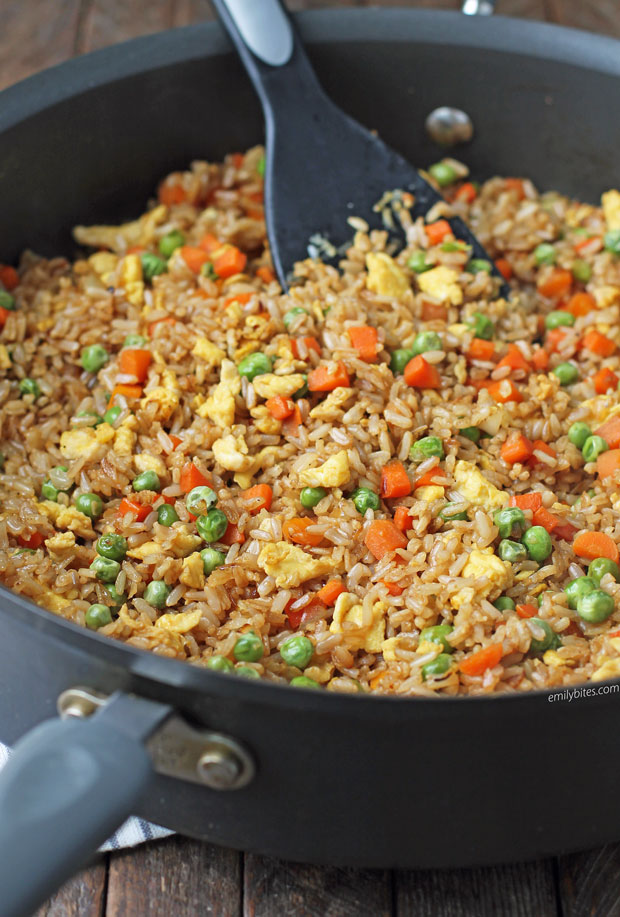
(363, 434)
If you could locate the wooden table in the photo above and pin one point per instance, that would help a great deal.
(179, 877)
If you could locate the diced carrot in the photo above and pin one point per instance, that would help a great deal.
(237, 159)
(232, 535)
(294, 615)
(526, 610)
(4, 314)
(429, 478)
(581, 304)
(191, 477)
(477, 663)
(480, 349)
(9, 278)
(383, 537)
(194, 257)
(434, 311)
(175, 440)
(297, 530)
(159, 323)
(328, 593)
(558, 283)
(504, 267)
(229, 261)
(585, 242)
(437, 232)
(392, 588)
(420, 374)
(532, 501)
(394, 481)
(467, 193)
(591, 545)
(280, 407)
(565, 530)
(128, 391)
(608, 463)
(311, 344)
(598, 343)
(209, 243)
(604, 379)
(364, 339)
(514, 359)
(135, 250)
(327, 377)
(540, 359)
(610, 431)
(614, 633)
(169, 500)
(260, 496)
(516, 185)
(503, 391)
(290, 424)
(517, 448)
(140, 510)
(548, 521)
(33, 541)
(554, 338)
(241, 298)
(169, 194)
(402, 518)
(265, 273)
(539, 446)
(135, 362)
(376, 680)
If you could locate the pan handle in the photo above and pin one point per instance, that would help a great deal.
(68, 785)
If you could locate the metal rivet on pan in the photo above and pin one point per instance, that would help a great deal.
(449, 126)
(224, 764)
(78, 702)
(478, 7)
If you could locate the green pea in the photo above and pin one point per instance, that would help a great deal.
(454, 245)
(510, 521)
(136, 341)
(611, 240)
(105, 569)
(98, 616)
(439, 633)
(200, 499)
(112, 546)
(364, 498)
(425, 341)
(211, 559)
(146, 480)
(303, 390)
(593, 447)
(549, 641)
(538, 543)
(207, 270)
(595, 606)
(482, 326)
(437, 666)
(302, 681)
(152, 265)
(310, 496)
(581, 270)
(112, 415)
(248, 648)
(443, 173)
(425, 448)
(7, 301)
(602, 565)
(578, 587)
(90, 504)
(399, 360)
(255, 364)
(220, 664)
(94, 358)
(246, 671)
(95, 419)
(417, 262)
(297, 651)
(260, 166)
(578, 433)
(472, 433)
(170, 242)
(558, 318)
(545, 253)
(167, 515)
(504, 603)
(479, 264)
(29, 386)
(291, 316)
(49, 492)
(449, 515)
(511, 551)
(118, 598)
(156, 593)
(212, 526)
(566, 373)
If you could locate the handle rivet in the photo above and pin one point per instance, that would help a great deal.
(449, 126)
(78, 703)
(219, 768)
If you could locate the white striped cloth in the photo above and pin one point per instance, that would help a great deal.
(135, 830)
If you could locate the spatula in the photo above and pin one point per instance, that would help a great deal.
(321, 166)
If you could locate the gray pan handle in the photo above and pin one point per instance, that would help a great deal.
(68, 785)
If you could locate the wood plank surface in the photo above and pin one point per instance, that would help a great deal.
(82, 896)
(589, 883)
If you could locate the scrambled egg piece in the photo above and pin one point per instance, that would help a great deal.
(430, 493)
(264, 421)
(67, 517)
(483, 564)
(60, 544)
(208, 352)
(179, 623)
(553, 658)
(609, 669)
(606, 295)
(441, 282)
(348, 609)
(86, 442)
(103, 264)
(145, 549)
(193, 574)
(389, 646)
(384, 276)
(269, 385)
(334, 400)
(458, 329)
(53, 602)
(291, 565)
(183, 542)
(131, 279)
(125, 437)
(232, 454)
(165, 396)
(220, 406)
(610, 201)
(120, 238)
(334, 472)
(474, 487)
(144, 461)
(5, 360)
